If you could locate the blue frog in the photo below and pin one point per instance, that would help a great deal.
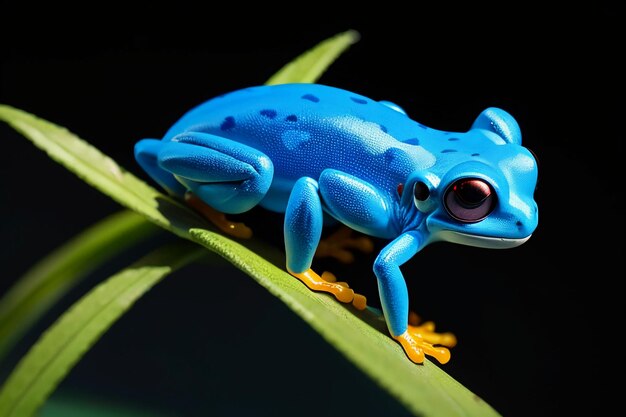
(320, 154)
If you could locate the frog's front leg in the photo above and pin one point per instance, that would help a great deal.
(359, 207)
(415, 340)
(354, 202)
(302, 230)
(223, 176)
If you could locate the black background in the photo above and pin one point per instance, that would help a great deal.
(537, 325)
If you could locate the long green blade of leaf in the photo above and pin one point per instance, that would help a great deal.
(52, 277)
(100, 171)
(310, 66)
(362, 337)
(67, 340)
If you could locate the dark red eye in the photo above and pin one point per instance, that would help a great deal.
(470, 200)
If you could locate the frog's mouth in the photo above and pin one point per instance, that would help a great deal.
(481, 241)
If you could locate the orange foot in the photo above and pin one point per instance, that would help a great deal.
(328, 283)
(337, 245)
(238, 230)
(422, 340)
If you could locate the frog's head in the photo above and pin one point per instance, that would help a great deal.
(480, 190)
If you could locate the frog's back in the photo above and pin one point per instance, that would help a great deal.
(256, 110)
(306, 128)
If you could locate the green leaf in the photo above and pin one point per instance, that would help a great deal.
(100, 171)
(309, 67)
(362, 336)
(67, 340)
(52, 277)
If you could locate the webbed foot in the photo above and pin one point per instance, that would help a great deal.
(238, 230)
(421, 339)
(416, 348)
(328, 283)
(427, 332)
(337, 245)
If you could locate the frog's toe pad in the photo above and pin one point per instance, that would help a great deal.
(416, 348)
(359, 302)
(329, 276)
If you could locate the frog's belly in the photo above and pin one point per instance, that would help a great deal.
(278, 195)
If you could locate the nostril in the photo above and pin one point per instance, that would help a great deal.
(518, 223)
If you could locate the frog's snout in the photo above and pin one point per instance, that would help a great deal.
(526, 224)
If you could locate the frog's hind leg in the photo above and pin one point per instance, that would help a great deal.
(146, 154)
(223, 176)
(303, 230)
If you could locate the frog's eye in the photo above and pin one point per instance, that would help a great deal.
(421, 192)
(470, 200)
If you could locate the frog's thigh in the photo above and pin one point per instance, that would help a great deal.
(146, 152)
(303, 224)
(225, 174)
(353, 201)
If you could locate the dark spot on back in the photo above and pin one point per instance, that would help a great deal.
(448, 150)
(268, 113)
(311, 97)
(475, 154)
(228, 123)
(292, 118)
(390, 155)
(396, 156)
(358, 100)
(383, 128)
(453, 139)
(412, 141)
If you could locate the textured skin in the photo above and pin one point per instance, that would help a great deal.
(314, 151)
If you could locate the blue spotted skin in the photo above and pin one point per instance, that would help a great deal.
(316, 153)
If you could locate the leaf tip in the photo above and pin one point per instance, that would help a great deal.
(353, 36)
